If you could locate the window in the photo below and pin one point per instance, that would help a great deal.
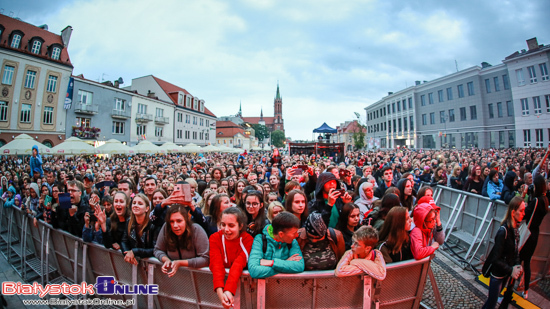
(398, 106)
(187, 135)
(83, 122)
(201, 121)
(195, 103)
(500, 112)
(506, 81)
(389, 111)
(449, 94)
(142, 109)
(399, 125)
(460, 89)
(491, 113)
(532, 74)
(410, 103)
(405, 124)
(188, 103)
(543, 71)
(497, 85)
(451, 115)
(187, 119)
(179, 134)
(423, 100)
(488, 85)
(158, 131)
(442, 117)
(120, 104)
(473, 112)
(393, 108)
(431, 98)
(536, 104)
(462, 113)
(52, 83)
(404, 105)
(180, 117)
(470, 88)
(432, 118)
(30, 79)
(194, 120)
(7, 78)
(440, 96)
(36, 44)
(3, 111)
(394, 126)
(202, 107)
(48, 115)
(194, 135)
(547, 99)
(118, 127)
(510, 108)
(85, 97)
(159, 112)
(511, 138)
(389, 126)
(141, 129)
(15, 41)
(56, 53)
(526, 138)
(538, 138)
(524, 107)
(501, 139)
(520, 77)
(25, 113)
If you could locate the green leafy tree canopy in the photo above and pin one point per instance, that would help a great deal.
(260, 131)
(278, 138)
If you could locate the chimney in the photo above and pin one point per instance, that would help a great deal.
(417, 82)
(532, 44)
(116, 84)
(66, 35)
(150, 94)
(390, 93)
(485, 65)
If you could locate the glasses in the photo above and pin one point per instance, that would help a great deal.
(252, 204)
(73, 191)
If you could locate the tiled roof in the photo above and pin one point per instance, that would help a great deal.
(172, 91)
(255, 120)
(228, 129)
(30, 31)
(349, 128)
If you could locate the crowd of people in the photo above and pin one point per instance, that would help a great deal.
(273, 213)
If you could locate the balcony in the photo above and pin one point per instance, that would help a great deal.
(86, 132)
(144, 117)
(120, 114)
(88, 109)
(161, 120)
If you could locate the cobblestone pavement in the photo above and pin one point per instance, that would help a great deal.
(459, 289)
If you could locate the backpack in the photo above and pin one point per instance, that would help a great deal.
(487, 265)
(330, 230)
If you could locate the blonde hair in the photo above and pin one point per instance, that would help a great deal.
(271, 207)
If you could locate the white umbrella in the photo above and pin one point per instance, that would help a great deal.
(74, 146)
(256, 148)
(170, 147)
(225, 149)
(267, 147)
(22, 145)
(113, 146)
(191, 148)
(210, 148)
(146, 146)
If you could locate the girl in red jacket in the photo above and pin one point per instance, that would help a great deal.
(229, 248)
(428, 233)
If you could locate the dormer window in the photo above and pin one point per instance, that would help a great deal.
(56, 53)
(195, 103)
(36, 45)
(202, 106)
(15, 41)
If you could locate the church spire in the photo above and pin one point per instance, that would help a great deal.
(278, 96)
(262, 114)
(240, 108)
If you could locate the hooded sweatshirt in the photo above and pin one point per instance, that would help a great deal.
(9, 201)
(422, 238)
(33, 203)
(508, 188)
(36, 163)
(364, 203)
(277, 251)
(320, 204)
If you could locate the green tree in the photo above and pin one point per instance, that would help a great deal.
(278, 138)
(260, 131)
(359, 136)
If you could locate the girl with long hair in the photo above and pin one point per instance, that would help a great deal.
(117, 221)
(395, 243)
(239, 186)
(219, 203)
(474, 184)
(255, 212)
(140, 235)
(296, 204)
(181, 242)
(348, 222)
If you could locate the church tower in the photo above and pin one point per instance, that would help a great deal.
(278, 123)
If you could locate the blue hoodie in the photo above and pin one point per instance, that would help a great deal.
(279, 252)
(36, 163)
(10, 201)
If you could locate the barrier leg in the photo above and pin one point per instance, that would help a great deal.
(459, 210)
(75, 261)
(237, 298)
(23, 238)
(84, 255)
(195, 288)
(134, 282)
(260, 300)
(367, 291)
(47, 255)
(479, 232)
(460, 198)
(150, 280)
(437, 296)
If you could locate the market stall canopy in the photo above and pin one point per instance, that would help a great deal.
(224, 149)
(325, 129)
(147, 147)
(74, 146)
(256, 148)
(113, 146)
(210, 148)
(170, 147)
(191, 148)
(22, 145)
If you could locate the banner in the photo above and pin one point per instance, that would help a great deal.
(69, 96)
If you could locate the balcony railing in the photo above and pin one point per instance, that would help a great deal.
(89, 109)
(144, 117)
(120, 114)
(86, 132)
(161, 120)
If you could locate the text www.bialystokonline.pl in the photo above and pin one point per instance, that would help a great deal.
(76, 302)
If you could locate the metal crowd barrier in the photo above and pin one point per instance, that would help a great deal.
(471, 222)
(55, 256)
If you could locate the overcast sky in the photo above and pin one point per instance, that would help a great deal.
(331, 58)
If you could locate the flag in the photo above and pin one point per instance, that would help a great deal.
(69, 95)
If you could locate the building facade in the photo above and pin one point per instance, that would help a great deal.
(35, 71)
(345, 134)
(272, 123)
(100, 111)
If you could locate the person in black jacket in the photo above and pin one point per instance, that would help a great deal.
(327, 195)
(503, 261)
(72, 219)
(508, 191)
(140, 236)
(387, 178)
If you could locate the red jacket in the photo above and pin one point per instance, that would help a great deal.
(422, 238)
(232, 257)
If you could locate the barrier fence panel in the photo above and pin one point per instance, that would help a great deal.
(404, 284)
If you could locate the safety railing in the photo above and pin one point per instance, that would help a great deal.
(54, 256)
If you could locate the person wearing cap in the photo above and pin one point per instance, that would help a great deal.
(322, 246)
(88, 184)
(428, 232)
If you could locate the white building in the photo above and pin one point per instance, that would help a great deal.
(152, 119)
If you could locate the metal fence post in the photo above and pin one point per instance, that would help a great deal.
(150, 280)
(134, 282)
(260, 300)
(367, 291)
